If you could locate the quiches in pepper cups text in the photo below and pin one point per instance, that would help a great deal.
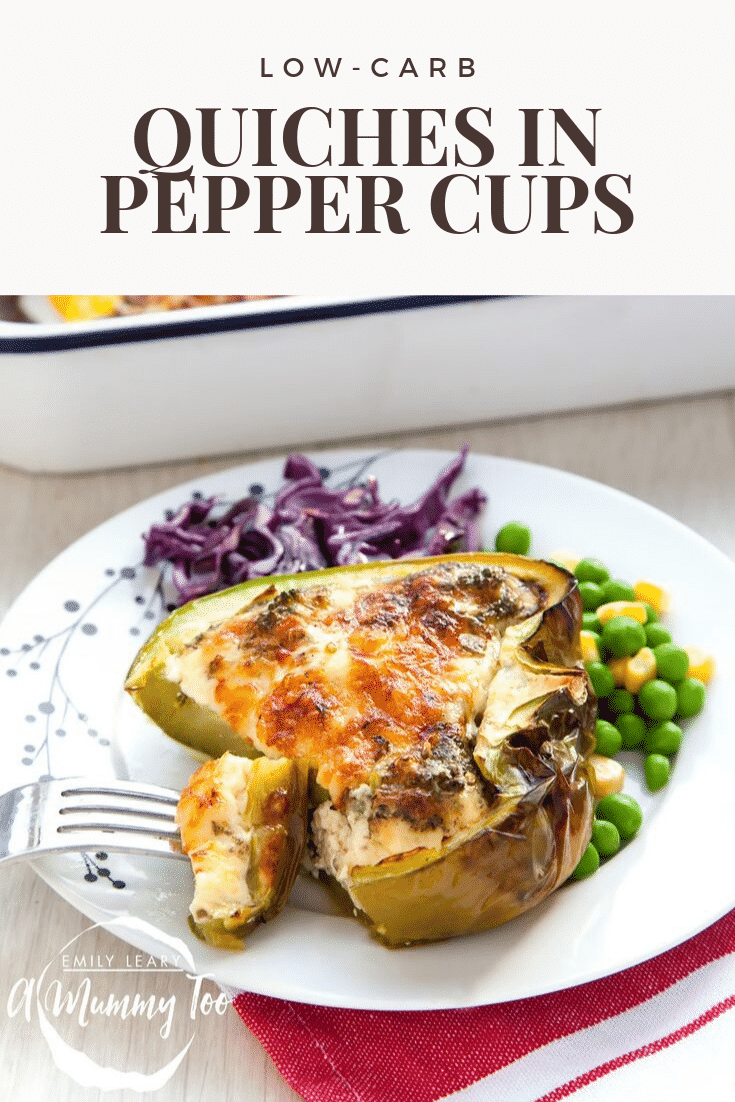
(419, 732)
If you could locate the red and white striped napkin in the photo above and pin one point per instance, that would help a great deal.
(663, 1031)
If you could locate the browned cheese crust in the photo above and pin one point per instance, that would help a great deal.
(369, 684)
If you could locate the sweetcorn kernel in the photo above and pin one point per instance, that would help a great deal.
(634, 609)
(618, 668)
(701, 664)
(607, 776)
(639, 669)
(652, 595)
(588, 640)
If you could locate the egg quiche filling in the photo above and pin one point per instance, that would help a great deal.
(243, 826)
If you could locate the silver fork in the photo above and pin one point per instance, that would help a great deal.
(62, 816)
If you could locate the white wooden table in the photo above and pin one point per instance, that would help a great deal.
(677, 455)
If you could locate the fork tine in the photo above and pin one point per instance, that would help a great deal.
(153, 827)
(147, 793)
(151, 808)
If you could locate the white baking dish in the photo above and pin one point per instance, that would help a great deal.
(279, 372)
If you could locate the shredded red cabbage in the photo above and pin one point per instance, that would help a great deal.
(309, 527)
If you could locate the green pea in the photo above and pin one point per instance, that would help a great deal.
(656, 634)
(623, 636)
(591, 570)
(591, 594)
(589, 862)
(608, 739)
(664, 738)
(632, 729)
(623, 811)
(690, 695)
(615, 590)
(591, 623)
(513, 538)
(605, 837)
(651, 614)
(656, 769)
(602, 679)
(621, 701)
(658, 699)
(672, 662)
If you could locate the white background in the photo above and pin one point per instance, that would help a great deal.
(77, 77)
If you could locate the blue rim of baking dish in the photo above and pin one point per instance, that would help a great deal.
(181, 326)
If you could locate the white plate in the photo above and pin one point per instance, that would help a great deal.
(72, 634)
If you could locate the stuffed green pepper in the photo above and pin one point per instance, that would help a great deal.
(439, 706)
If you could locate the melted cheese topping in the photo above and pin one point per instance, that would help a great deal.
(360, 678)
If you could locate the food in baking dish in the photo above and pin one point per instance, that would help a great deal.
(439, 705)
(90, 307)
